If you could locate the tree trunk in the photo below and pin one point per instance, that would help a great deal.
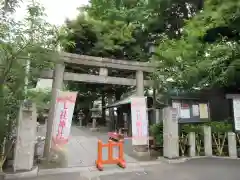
(120, 121)
(154, 107)
(103, 109)
(2, 112)
(88, 113)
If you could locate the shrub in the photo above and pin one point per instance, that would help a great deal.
(156, 131)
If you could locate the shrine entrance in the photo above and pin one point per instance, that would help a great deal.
(73, 67)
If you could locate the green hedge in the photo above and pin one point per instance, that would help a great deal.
(216, 127)
(156, 130)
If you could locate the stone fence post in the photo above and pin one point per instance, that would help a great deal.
(232, 145)
(192, 144)
(207, 140)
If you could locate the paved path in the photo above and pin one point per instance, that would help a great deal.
(197, 169)
(82, 147)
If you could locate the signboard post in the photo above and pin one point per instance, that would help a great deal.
(63, 118)
(236, 111)
(139, 121)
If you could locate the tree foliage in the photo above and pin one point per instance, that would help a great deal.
(193, 42)
(100, 38)
(207, 53)
(126, 29)
(41, 97)
(29, 45)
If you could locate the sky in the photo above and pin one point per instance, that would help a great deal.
(57, 10)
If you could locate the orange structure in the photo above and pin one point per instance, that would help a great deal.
(110, 160)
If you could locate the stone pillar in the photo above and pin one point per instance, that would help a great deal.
(140, 83)
(232, 145)
(56, 86)
(170, 134)
(80, 122)
(94, 123)
(103, 72)
(207, 140)
(26, 134)
(192, 144)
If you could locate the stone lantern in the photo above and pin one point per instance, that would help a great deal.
(80, 117)
(96, 113)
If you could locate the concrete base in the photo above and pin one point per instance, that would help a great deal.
(141, 150)
(27, 174)
(142, 153)
(59, 159)
(9, 163)
(94, 129)
(2, 176)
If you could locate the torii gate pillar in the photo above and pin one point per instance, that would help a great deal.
(57, 85)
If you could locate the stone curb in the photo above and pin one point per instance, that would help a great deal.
(184, 159)
(133, 166)
(28, 174)
(92, 169)
(89, 169)
(172, 161)
(217, 157)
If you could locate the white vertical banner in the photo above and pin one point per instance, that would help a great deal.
(139, 121)
(64, 108)
(236, 111)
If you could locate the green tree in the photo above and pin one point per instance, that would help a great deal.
(97, 38)
(124, 30)
(41, 97)
(29, 44)
(207, 54)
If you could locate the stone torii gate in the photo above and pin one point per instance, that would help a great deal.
(104, 64)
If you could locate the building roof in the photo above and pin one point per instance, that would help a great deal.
(126, 100)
